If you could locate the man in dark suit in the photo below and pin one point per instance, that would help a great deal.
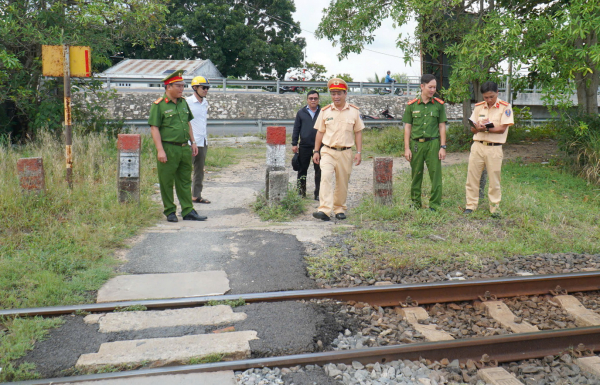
(304, 128)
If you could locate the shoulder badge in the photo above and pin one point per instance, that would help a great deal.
(503, 103)
(352, 105)
(412, 101)
(326, 107)
(480, 103)
(158, 100)
(439, 100)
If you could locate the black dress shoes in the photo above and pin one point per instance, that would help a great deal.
(340, 216)
(172, 218)
(467, 211)
(193, 216)
(321, 215)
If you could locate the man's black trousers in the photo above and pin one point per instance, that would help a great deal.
(304, 156)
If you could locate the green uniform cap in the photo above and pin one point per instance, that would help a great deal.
(174, 77)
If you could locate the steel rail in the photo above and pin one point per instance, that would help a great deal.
(506, 348)
(392, 295)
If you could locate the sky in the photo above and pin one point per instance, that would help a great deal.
(359, 66)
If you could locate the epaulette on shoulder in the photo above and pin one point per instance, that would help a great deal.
(352, 105)
(158, 100)
(503, 103)
(439, 100)
(412, 101)
(326, 107)
(480, 103)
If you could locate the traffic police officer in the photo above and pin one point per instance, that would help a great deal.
(171, 130)
(486, 149)
(425, 141)
(338, 127)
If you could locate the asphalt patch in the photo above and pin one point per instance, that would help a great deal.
(255, 261)
(266, 261)
(286, 328)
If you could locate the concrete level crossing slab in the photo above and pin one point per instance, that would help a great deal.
(215, 378)
(141, 320)
(168, 351)
(497, 376)
(501, 313)
(589, 364)
(583, 317)
(161, 286)
(415, 314)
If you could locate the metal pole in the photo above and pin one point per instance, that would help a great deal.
(68, 130)
(508, 90)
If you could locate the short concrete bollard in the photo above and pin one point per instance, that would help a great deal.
(128, 183)
(278, 186)
(383, 189)
(31, 174)
(275, 157)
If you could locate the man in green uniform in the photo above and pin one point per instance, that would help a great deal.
(171, 131)
(425, 141)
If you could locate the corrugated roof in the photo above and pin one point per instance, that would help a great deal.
(148, 67)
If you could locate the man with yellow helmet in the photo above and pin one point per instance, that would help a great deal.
(199, 107)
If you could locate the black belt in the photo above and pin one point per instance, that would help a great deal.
(489, 143)
(337, 148)
(421, 140)
(177, 144)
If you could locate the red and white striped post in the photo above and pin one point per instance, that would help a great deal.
(31, 174)
(277, 178)
(382, 180)
(128, 184)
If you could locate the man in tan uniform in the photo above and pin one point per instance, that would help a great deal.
(339, 127)
(486, 149)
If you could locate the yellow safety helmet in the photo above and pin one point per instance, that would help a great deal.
(200, 80)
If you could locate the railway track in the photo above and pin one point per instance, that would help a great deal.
(500, 348)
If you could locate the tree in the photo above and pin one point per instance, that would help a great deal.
(254, 38)
(317, 71)
(28, 24)
(346, 77)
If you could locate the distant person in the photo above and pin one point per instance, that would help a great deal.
(425, 141)
(169, 121)
(304, 130)
(338, 127)
(289, 77)
(389, 79)
(199, 107)
(486, 150)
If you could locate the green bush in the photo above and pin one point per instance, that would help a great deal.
(579, 137)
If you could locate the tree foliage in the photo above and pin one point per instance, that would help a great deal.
(556, 41)
(26, 25)
(254, 38)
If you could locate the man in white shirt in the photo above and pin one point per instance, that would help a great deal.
(199, 107)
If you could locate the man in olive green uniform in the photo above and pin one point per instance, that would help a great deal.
(171, 130)
(425, 141)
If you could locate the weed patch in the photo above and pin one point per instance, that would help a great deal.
(544, 210)
(290, 206)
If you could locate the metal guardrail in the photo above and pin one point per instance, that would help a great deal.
(262, 123)
(274, 86)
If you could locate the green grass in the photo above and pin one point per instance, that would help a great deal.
(215, 357)
(57, 248)
(232, 303)
(544, 210)
(290, 206)
(390, 140)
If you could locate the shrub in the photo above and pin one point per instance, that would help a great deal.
(579, 138)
